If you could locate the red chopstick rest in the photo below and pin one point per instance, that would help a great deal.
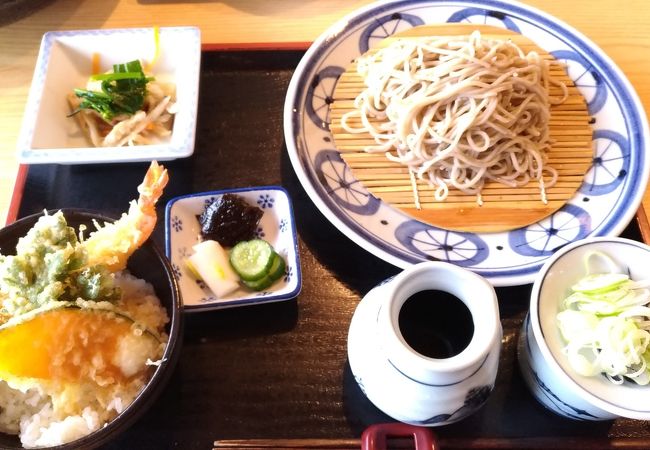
(375, 437)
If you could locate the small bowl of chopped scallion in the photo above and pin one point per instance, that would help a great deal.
(584, 349)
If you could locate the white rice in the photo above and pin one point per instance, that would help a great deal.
(47, 413)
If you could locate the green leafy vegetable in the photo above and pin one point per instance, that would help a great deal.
(123, 91)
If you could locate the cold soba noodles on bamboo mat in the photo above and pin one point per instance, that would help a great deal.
(466, 127)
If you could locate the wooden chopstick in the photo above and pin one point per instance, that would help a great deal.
(547, 443)
(237, 444)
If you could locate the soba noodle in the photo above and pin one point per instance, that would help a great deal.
(458, 111)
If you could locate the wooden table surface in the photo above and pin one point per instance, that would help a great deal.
(620, 28)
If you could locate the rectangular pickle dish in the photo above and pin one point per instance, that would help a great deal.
(276, 226)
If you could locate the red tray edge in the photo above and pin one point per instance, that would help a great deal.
(17, 194)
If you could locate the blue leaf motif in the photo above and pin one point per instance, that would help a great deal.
(437, 419)
(177, 271)
(265, 201)
(288, 274)
(259, 233)
(177, 224)
(283, 225)
(473, 400)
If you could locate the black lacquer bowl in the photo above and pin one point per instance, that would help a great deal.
(148, 263)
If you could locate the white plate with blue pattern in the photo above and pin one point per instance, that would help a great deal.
(276, 226)
(605, 203)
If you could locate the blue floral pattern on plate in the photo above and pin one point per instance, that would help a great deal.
(604, 205)
(539, 389)
(276, 226)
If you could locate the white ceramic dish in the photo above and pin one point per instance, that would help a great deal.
(65, 62)
(604, 204)
(425, 391)
(276, 226)
(544, 366)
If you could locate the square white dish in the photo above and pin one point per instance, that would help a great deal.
(65, 61)
(277, 226)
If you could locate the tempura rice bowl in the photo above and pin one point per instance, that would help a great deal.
(91, 410)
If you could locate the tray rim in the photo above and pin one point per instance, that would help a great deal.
(631, 442)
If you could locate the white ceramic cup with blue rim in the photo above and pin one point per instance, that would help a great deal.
(544, 366)
(407, 385)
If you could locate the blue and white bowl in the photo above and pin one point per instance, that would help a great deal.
(277, 226)
(543, 364)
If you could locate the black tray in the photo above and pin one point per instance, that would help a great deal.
(280, 370)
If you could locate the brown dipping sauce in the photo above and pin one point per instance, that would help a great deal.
(436, 324)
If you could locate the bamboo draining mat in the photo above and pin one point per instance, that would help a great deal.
(504, 208)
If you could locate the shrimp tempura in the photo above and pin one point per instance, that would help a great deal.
(113, 243)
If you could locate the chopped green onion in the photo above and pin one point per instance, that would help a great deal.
(597, 283)
(605, 323)
(116, 76)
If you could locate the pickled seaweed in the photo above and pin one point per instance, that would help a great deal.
(229, 220)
